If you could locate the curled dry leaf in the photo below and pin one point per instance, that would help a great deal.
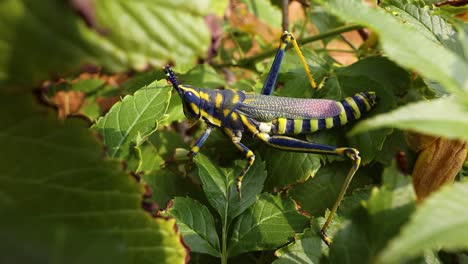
(439, 161)
(68, 102)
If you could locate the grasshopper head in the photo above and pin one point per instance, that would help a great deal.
(190, 96)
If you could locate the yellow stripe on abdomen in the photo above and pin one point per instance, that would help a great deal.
(282, 125)
(313, 125)
(329, 122)
(297, 126)
(343, 116)
(352, 103)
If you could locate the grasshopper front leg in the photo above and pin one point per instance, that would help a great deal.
(196, 147)
(293, 144)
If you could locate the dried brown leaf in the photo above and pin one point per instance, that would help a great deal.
(439, 161)
(68, 102)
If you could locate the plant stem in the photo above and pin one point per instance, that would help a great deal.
(224, 256)
(285, 9)
(248, 62)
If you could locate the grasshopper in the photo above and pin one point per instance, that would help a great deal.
(271, 118)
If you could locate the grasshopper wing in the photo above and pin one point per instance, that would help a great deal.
(266, 108)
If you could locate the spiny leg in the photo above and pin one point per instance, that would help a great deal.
(293, 144)
(352, 154)
(270, 82)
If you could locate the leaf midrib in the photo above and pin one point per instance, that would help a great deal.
(135, 121)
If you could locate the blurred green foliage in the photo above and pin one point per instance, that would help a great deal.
(104, 176)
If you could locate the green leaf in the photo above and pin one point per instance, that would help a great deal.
(395, 147)
(375, 221)
(424, 20)
(354, 200)
(288, 168)
(268, 224)
(320, 192)
(306, 249)
(265, 11)
(166, 142)
(324, 21)
(203, 76)
(219, 6)
(122, 35)
(175, 112)
(462, 37)
(440, 222)
(166, 184)
(144, 158)
(399, 42)
(219, 186)
(71, 198)
(133, 119)
(196, 224)
(292, 73)
(142, 79)
(34, 242)
(444, 117)
(377, 74)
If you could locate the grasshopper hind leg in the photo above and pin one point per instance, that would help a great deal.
(352, 154)
(296, 145)
(286, 39)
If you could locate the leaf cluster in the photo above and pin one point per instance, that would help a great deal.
(105, 177)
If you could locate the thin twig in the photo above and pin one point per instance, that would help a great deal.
(285, 24)
(348, 42)
(248, 62)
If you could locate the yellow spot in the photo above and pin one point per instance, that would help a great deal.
(226, 112)
(195, 149)
(248, 155)
(353, 105)
(218, 100)
(281, 125)
(313, 125)
(234, 116)
(297, 126)
(205, 96)
(235, 97)
(329, 122)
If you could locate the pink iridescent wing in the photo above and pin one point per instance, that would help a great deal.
(267, 108)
